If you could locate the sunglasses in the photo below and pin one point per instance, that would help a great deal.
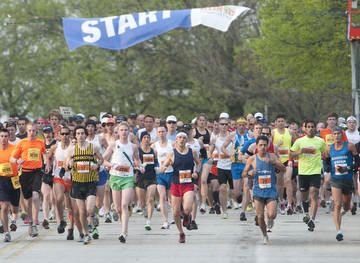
(65, 133)
(171, 122)
(110, 124)
(224, 124)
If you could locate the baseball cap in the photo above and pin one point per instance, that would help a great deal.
(110, 120)
(104, 120)
(224, 115)
(171, 118)
(40, 120)
(132, 115)
(47, 128)
(78, 118)
(81, 115)
(350, 118)
(121, 118)
(259, 115)
(341, 120)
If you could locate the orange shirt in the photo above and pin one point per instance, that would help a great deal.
(31, 152)
(326, 134)
(7, 168)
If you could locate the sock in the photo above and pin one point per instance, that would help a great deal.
(306, 206)
(216, 197)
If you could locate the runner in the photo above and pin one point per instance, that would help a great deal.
(28, 154)
(171, 127)
(182, 159)
(9, 185)
(84, 160)
(22, 122)
(339, 160)
(11, 127)
(149, 128)
(309, 149)
(262, 167)
(122, 157)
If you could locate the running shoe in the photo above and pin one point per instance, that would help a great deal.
(61, 227)
(34, 231)
(202, 209)
(95, 221)
(298, 209)
(323, 203)
(217, 209)
(186, 220)
(145, 212)
(243, 216)
(270, 224)
(26, 220)
(148, 226)
(23, 215)
(182, 238)
(193, 225)
(282, 209)
(81, 238)
(115, 216)
(7, 237)
(225, 216)
(306, 219)
(1, 229)
(70, 235)
(122, 238)
(339, 237)
(249, 207)
(13, 226)
(256, 220)
(353, 210)
(165, 226)
(236, 206)
(311, 225)
(91, 228)
(95, 233)
(229, 204)
(158, 207)
(266, 240)
(87, 239)
(108, 218)
(212, 210)
(45, 224)
(51, 214)
(102, 212)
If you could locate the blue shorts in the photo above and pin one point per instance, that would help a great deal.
(103, 176)
(236, 170)
(164, 179)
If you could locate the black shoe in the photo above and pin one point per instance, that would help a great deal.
(256, 220)
(1, 229)
(311, 225)
(212, 210)
(186, 221)
(70, 235)
(61, 227)
(243, 216)
(192, 225)
(339, 237)
(217, 209)
(353, 210)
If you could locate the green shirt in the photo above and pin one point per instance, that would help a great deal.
(310, 160)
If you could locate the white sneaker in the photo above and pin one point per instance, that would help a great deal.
(158, 207)
(225, 216)
(236, 205)
(7, 237)
(165, 225)
(102, 212)
(148, 225)
(266, 240)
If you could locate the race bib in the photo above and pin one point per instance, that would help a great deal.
(309, 151)
(6, 169)
(33, 154)
(283, 152)
(83, 167)
(15, 182)
(148, 159)
(185, 176)
(337, 170)
(264, 181)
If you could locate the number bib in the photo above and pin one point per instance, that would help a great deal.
(83, 167)
(6, 169)
(283, 152)
(33, 154)
(337, 166)
(185, 176)
(264, 181)
(15, 182)
(148, 159)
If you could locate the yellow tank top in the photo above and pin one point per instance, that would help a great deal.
(81, 171)
(283, 149)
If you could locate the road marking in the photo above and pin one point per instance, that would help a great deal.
(13, 244)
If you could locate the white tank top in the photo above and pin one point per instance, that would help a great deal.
(59, 158)
(161, 154)
(119, 158)
(224, 161)
(96, 143)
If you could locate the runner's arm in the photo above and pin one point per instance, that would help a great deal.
(249, 164)
(226, 143)
(168, 161)
(107, 155)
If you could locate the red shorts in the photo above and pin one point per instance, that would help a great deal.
(66, 184)
(179, 190)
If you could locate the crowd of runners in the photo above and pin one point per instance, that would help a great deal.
(114, 166)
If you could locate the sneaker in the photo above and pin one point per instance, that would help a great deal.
(182, 238)
(7, 237)
(91, 228)
(256, 221)
(298, 209)
(51, 214)
(217, 209)
(249, 207)
(26, 220)
(134, 210)
(122, 238)
(243, 216)
(186, 220)
(193, 225)
(236, 206)
(34, 231)
(270, 224)
(148, 226)
(339, 237)
(311, 225)
(95, 221)
(289, 210)
(165, 226)
(225, 216)
(229, 204)
(158, 207)
(306, 219)
(145, 212)
(1, 229)
(102, 212)
(23, 215)
(323, 203)
(172, 221)
(202, 209)
(45, 224)
(266, 240)
(95, 233)
(282, 209)
(353, 210)
(87, 239)
(61, 227)
(81, 238)
(70, 235)
(115, 216)
(108, 218)
(13, 226)
(212, 210)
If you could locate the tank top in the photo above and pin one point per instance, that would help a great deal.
(195, 146)
(240, 140)
(342, 157)
(283, 149)
(224, 161)
(148, 161)
(96, 143)
(206, 141)
(183, 167)
(118, 157)
(59, 158)
(161, 154)
(83, 159)
(264, 179)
